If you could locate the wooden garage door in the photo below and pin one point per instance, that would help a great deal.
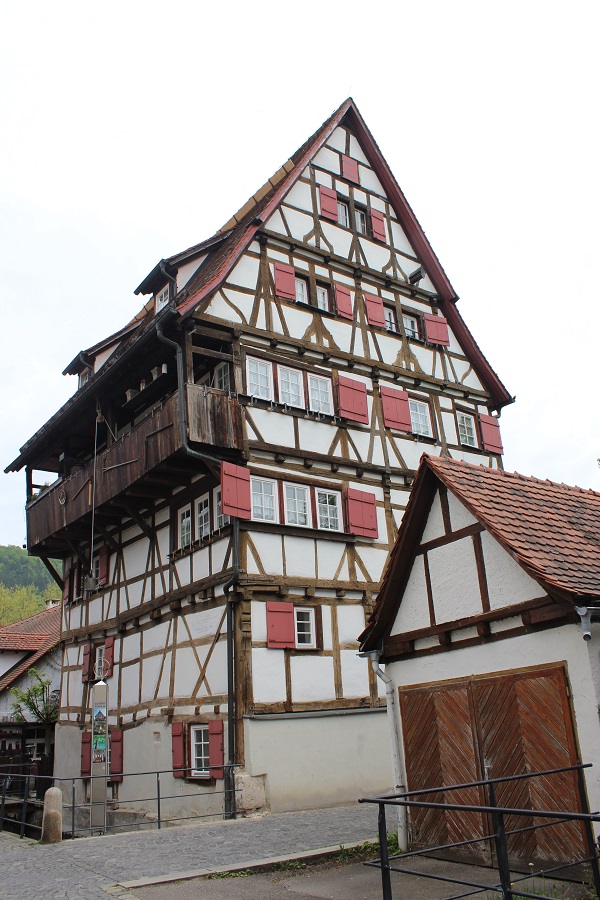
(511, 724)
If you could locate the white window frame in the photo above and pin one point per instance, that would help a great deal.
(203, 510)
(305, 615)
(161, 299)
(291, 514)
(96, 568)
(419, 408)
(221, 374)
(220, 520)
(467, 431)
(411, 326)
(343, 211)
(256, 480)
(390, 319)
(196, 772)
(267, 369)
(323, 295)
(184, 514)
(318, 407)
(84, 377)
(360, 217)
(296, 372)
(301, 288)
(338, 505)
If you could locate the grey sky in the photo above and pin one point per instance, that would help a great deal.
(132, 130)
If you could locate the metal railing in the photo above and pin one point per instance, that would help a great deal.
(17, 789)
(497, 838)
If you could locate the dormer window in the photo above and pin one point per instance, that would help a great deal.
(162, 298)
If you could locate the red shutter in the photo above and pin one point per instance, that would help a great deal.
(374, 307)
(281, 626)
(396, 411)
(66, 591)
(116, 755)
(103, 565)
(378, 225)
(216, 756)
(352, 400)
(78, 580)
(178, 749)
(285, 281)
(109, 656)
(328, 200)
(436, 329)
(490, 433)
(350, 168)
(343, 302)
(86, 754)
(86, 666)
(235, 491)
(362, 513)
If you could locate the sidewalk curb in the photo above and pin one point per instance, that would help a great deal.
(255, 864)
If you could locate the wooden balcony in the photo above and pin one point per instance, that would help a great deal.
(57, 515)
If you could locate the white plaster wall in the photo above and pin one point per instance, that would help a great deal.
(203, 623)
(333, 759)
(268, 547)
(435, 523)
(135, 558)
(355, 674)
(184, 273)
(268, 676)
(245, 273)
(130, 685)
(155, 638)
(413, 612)
(454, 582)
(326, 627)
(299, 557)
(351, 621)
(460, 517)
(312, 678)
(8, 659)
(507, 582)
(216, 670)
(300, 195)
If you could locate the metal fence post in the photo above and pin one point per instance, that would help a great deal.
(24, 811)
(587, 825)
(158, 797)
(4, 789)
(501, 849)
(386, 883)
(72, 809)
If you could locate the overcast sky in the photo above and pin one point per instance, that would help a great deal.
(131, 130)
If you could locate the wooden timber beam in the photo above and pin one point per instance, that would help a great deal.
(60, 582)
(140, 522)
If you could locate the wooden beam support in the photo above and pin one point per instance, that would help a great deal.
(60, 582)
(139, 521)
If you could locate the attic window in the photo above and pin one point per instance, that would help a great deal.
(162, 298)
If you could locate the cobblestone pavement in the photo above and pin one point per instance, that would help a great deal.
(88, 868)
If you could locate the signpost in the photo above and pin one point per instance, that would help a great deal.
(100, 749)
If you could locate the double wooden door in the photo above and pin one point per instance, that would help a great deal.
(505, 724)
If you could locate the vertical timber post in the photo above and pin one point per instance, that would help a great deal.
(386, 883)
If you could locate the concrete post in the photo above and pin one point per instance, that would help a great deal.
(52, 820)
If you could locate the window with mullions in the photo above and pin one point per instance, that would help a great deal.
(320, 394)
(360, 217)
(185, 527)
(411, 326)
(389, 315)
(291, 389)
(263, 500)
(466, 429)
(304, 619)
(221, 376)
(220, 519)
(203, 516)
(301, 290)
(323, 298)
(200, 759)
(343, 214)
(328, 510)
(260, 383)
(419, 417)
(162, 298)
(296, 505)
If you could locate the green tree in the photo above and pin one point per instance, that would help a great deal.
(17, 569)
(36, 704)
(21, 602)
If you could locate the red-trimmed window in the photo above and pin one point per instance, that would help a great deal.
(362, 513)
(490, 434)
(436, 329)
(343, 301)
(66, 591)
(375, 313)
(86, 666)
(396, 409)
(378, 225)
(116, 755)
(350, 169)
(216, 756)
(329, 203)
(109, 656)
(290, 626)
(86, 754)
(235, 491)
(285, 281)
(178, 749)
(467, 432)
(352, 400)
(103, 566)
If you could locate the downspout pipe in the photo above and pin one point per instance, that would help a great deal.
(230, 806)
(395, 727)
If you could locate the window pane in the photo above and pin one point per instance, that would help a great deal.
(203, 517)
(259, 379)
(323, 298)
(419, 416)
(320, 394)
(296, 505)
(290, 387)
(361, 222)
(301, 291)
(304, 627)
(390, 318)
(466, 430)
(222, 377)
(200, 757)
(343, 217)
(410, 326)
(185, 528)
(328, 510)
(220, 519)
(263, 500)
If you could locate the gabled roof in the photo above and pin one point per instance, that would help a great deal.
(42, 629)
(552, 530)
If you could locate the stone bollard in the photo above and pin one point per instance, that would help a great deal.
(52, 820)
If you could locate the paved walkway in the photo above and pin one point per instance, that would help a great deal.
(89, 868)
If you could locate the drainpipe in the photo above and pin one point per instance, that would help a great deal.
(396, 742)
(230, 810)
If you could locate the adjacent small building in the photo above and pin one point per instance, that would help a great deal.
(485, 624)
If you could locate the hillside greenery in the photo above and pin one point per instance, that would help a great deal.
(24, 585)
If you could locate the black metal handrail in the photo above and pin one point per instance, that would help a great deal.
(498, 835)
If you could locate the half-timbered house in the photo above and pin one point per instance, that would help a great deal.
(480, 622)
(231, 474)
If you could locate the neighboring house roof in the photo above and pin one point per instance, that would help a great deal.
(41, 631)
(552, 530)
